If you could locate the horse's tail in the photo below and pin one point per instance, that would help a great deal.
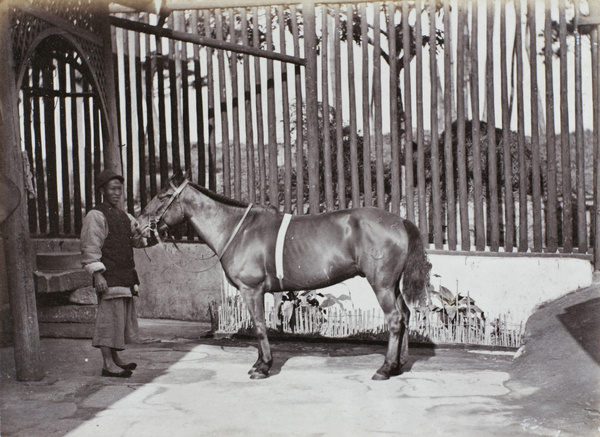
(416, 270)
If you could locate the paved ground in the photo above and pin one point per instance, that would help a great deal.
(187, 385)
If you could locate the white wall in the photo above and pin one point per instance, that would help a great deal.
(512, 285)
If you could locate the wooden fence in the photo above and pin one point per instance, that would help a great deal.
(477, 120)
(384, 114)
(335, 322)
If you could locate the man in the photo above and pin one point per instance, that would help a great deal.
(108, 236)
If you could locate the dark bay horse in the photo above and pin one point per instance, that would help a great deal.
(319, 250)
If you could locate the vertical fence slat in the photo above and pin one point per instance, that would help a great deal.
(435, 153)
(88, 153)
(422, 190)
(180, 24)
(50, 141)
(448, 146)
(408, 143)
(299, 120)
(285, 102)
(493, 214)
(327, 150)
(162, 118)
(64, 149)
(509, 213)
(461, 154)
(39, 160)
(523, 179)
(225, 144)
(149, 67)
(235, 112)
(352, 107)
(475, 130)
(339, 128)
(246, 34)
(173, 66)
(128, 146)
(75, 108)
(212, 113)
(567, 223)
(536, 188)
(312, 135)
(394, 122)
(551, 188)
(368, 191)
(377, 115)
(97, 143)
(141, 137)
(199, 119)
(582, 233)
(271, 119)
(262, 175)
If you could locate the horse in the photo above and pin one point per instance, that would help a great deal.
(319, 250)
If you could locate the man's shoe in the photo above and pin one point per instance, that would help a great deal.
(123, 374)
(130, 366)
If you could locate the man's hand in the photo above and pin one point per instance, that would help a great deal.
(100, 283)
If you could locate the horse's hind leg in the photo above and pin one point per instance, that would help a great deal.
(255, 302)
(394, 317)
(405, 318)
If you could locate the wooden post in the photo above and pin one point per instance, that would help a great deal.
(15, 231)
(111, 151)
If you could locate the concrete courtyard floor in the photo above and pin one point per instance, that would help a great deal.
(190, 385)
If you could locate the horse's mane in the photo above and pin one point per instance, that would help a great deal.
(218, 197)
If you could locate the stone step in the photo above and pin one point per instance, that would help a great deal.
(58, 261)
(68, 314)
(53, 282)
(66, 330)
(45, 245)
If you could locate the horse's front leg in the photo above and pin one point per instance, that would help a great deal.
(255, 301)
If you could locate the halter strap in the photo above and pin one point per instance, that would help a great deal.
(236, 230)
(175, 195)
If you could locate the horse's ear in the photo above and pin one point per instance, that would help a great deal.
(178, 176)
(187, 174)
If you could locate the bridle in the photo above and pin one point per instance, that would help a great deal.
(176, 192)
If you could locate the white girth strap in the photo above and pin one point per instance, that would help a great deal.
(279, 247)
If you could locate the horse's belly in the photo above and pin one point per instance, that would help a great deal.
(317, 266)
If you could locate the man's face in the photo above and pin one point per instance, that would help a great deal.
(112, 191)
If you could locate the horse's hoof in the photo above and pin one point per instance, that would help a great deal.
(257, 375)
(251, 371)
(380, 377)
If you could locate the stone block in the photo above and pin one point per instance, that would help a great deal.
(58, 261)
(84, 296)
(66, 330)
(68, 314)
(46, 282)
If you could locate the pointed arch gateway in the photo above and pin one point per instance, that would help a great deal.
(66, 123)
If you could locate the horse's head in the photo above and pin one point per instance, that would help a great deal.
(165, 211)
